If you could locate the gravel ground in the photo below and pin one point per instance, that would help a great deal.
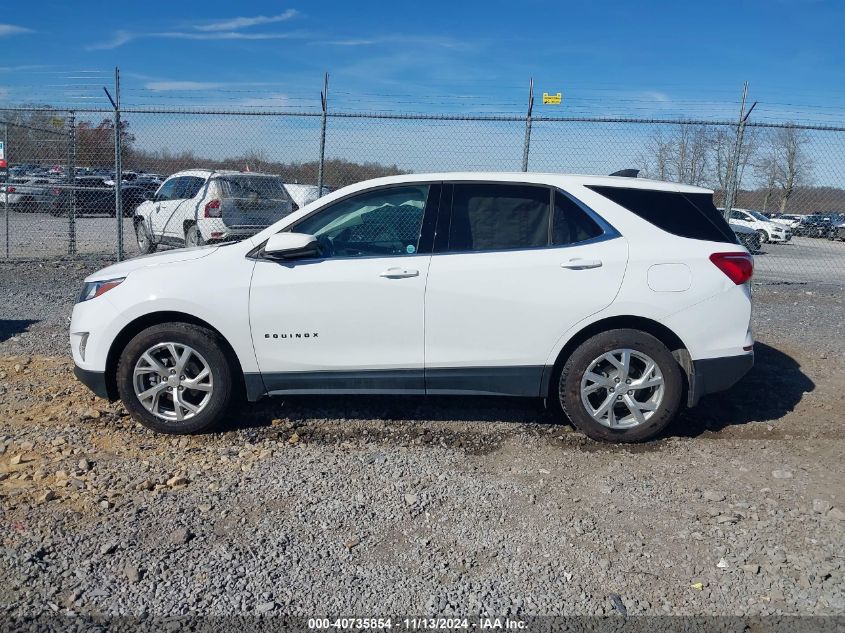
(371, 506)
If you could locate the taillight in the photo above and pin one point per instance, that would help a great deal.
(212, 209)
(10, 190)
(55, 192)
(737, 266)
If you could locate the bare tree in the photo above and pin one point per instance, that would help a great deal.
(784, 164)
(683, 155)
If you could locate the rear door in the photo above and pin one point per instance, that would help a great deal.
(518, 265)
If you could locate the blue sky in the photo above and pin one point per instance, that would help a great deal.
(655, 58)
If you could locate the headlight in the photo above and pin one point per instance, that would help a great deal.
(92, 289)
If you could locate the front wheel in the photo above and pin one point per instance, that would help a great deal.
(764, 237)
(174, 378)
(621, 386)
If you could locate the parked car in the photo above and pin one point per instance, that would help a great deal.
(749, 238)
(818, 224)
(198, 206)
(614, 298)
(768, 230)
(837, 227)
(304, 194)
(27, 194)
(791, 221)
(93, 197)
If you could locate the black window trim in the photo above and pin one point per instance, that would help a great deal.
(445, 218)
(427, 229)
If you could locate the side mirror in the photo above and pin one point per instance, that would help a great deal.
(291, 246)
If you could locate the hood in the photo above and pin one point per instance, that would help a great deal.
(156, 259)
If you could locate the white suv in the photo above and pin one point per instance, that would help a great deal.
(768, 230)
(615, 298)
(199, 206)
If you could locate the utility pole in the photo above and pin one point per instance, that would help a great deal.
(732, 180)
(527, 142)
(118, 167)
(6, 187)
(70, 177)
(324, 100)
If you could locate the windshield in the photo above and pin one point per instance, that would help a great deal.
(759, 216)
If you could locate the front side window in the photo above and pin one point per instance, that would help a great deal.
(489, 216)
(167, 190)
(189, 187)
(385, 222)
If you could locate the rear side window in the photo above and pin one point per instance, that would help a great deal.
(571, 223)
(498, 216)
(691, 215)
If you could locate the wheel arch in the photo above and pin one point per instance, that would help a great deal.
(131, 329)
(659, 331)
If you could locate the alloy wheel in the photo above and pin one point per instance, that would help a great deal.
(173, 381)
(622, 388)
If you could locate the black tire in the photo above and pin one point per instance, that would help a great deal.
(569, 385)
(193, 236)
(764, 237)
(145, 241)
(209, 345)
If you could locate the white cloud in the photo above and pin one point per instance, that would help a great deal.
(222, 35)
(12, 29)
(124, 37)
(119, 39)
(234, 24)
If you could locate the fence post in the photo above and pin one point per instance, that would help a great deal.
(324, 98)
(732, 179)
(6, 155)
(118, 167)
(70, 177)
(526, 145)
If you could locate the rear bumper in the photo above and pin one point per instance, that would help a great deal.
(711, 375)
(94, 380)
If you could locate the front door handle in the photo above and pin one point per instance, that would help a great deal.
(581, 264)
(399, 273)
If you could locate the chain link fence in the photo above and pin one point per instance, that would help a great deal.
(89, 181)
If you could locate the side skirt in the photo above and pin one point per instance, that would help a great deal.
(489, 381)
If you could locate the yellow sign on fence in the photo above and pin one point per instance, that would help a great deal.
(552, 99)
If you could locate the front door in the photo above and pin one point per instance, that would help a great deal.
(351, 320)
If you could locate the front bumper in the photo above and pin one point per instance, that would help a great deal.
(711, 375)
(94, 380)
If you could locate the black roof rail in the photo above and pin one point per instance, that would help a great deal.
(626, 173)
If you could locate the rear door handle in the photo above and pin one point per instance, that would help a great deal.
(581, 264)
(399, 273)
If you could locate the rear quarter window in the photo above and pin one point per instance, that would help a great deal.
(690, 215)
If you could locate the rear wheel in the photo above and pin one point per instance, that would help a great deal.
(145, 241)
(621, 386)
(193, 237)
(174, 378)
